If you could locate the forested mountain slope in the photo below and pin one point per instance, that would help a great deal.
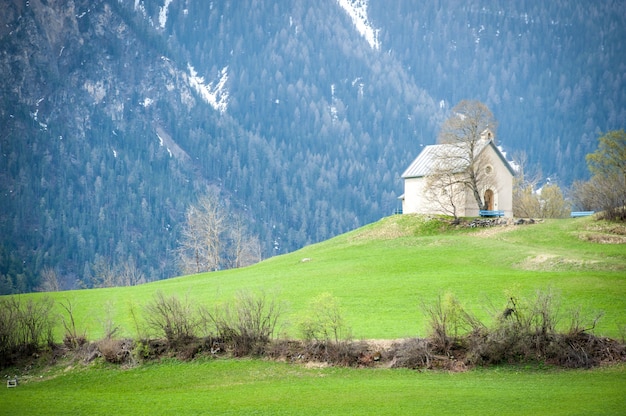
(117, 114)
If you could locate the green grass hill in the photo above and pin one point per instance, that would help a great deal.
(382, 273)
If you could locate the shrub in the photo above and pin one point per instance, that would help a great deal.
(412, 353)
(285, 349)
(447, 321)
(246, 325)
(323, 321)
(146, 349)
(72, 338)
(525, 330)
(172, 318)
(25, 327)
(116, 351)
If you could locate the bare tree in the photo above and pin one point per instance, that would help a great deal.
(49, 280)
(214, 237)
(462, 162)
(445, 191)
(525, 201)
(553, 205)
(128, 274)
(203, 235)
(245, 249)
(103, 272)
(526, 204)
(191, 252)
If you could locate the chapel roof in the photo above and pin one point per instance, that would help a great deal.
(429, 159)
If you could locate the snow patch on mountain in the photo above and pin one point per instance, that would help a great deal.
(141, 8)
(161, 145)
(216, 96)
(357, 10)
(163, 13)
(174, 150)
(333, 105)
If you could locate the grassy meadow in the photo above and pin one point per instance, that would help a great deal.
(381, 274)
(255, 387)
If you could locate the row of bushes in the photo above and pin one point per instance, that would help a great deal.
(524, 331)
(167, 324)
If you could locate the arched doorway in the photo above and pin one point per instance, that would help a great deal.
(489, 199)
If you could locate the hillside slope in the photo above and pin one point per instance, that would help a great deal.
(382, 273)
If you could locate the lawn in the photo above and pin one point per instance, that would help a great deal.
(262, 387)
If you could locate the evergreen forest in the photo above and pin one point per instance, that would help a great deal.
(117, 115)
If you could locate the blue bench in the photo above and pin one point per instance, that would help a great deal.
(491, 213)
(576, 214)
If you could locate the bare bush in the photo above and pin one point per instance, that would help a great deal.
(521, 331)
(346, 353)
(247, 324)
(72, 338)
(172, 318)
(108, 325)
(116, 351)
(448, 319)
(412, 353)
(9, 333)
(25, 327)
(524, 330)
(37, 322)
(528, 330)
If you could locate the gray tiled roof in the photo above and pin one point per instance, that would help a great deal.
(429, 159)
